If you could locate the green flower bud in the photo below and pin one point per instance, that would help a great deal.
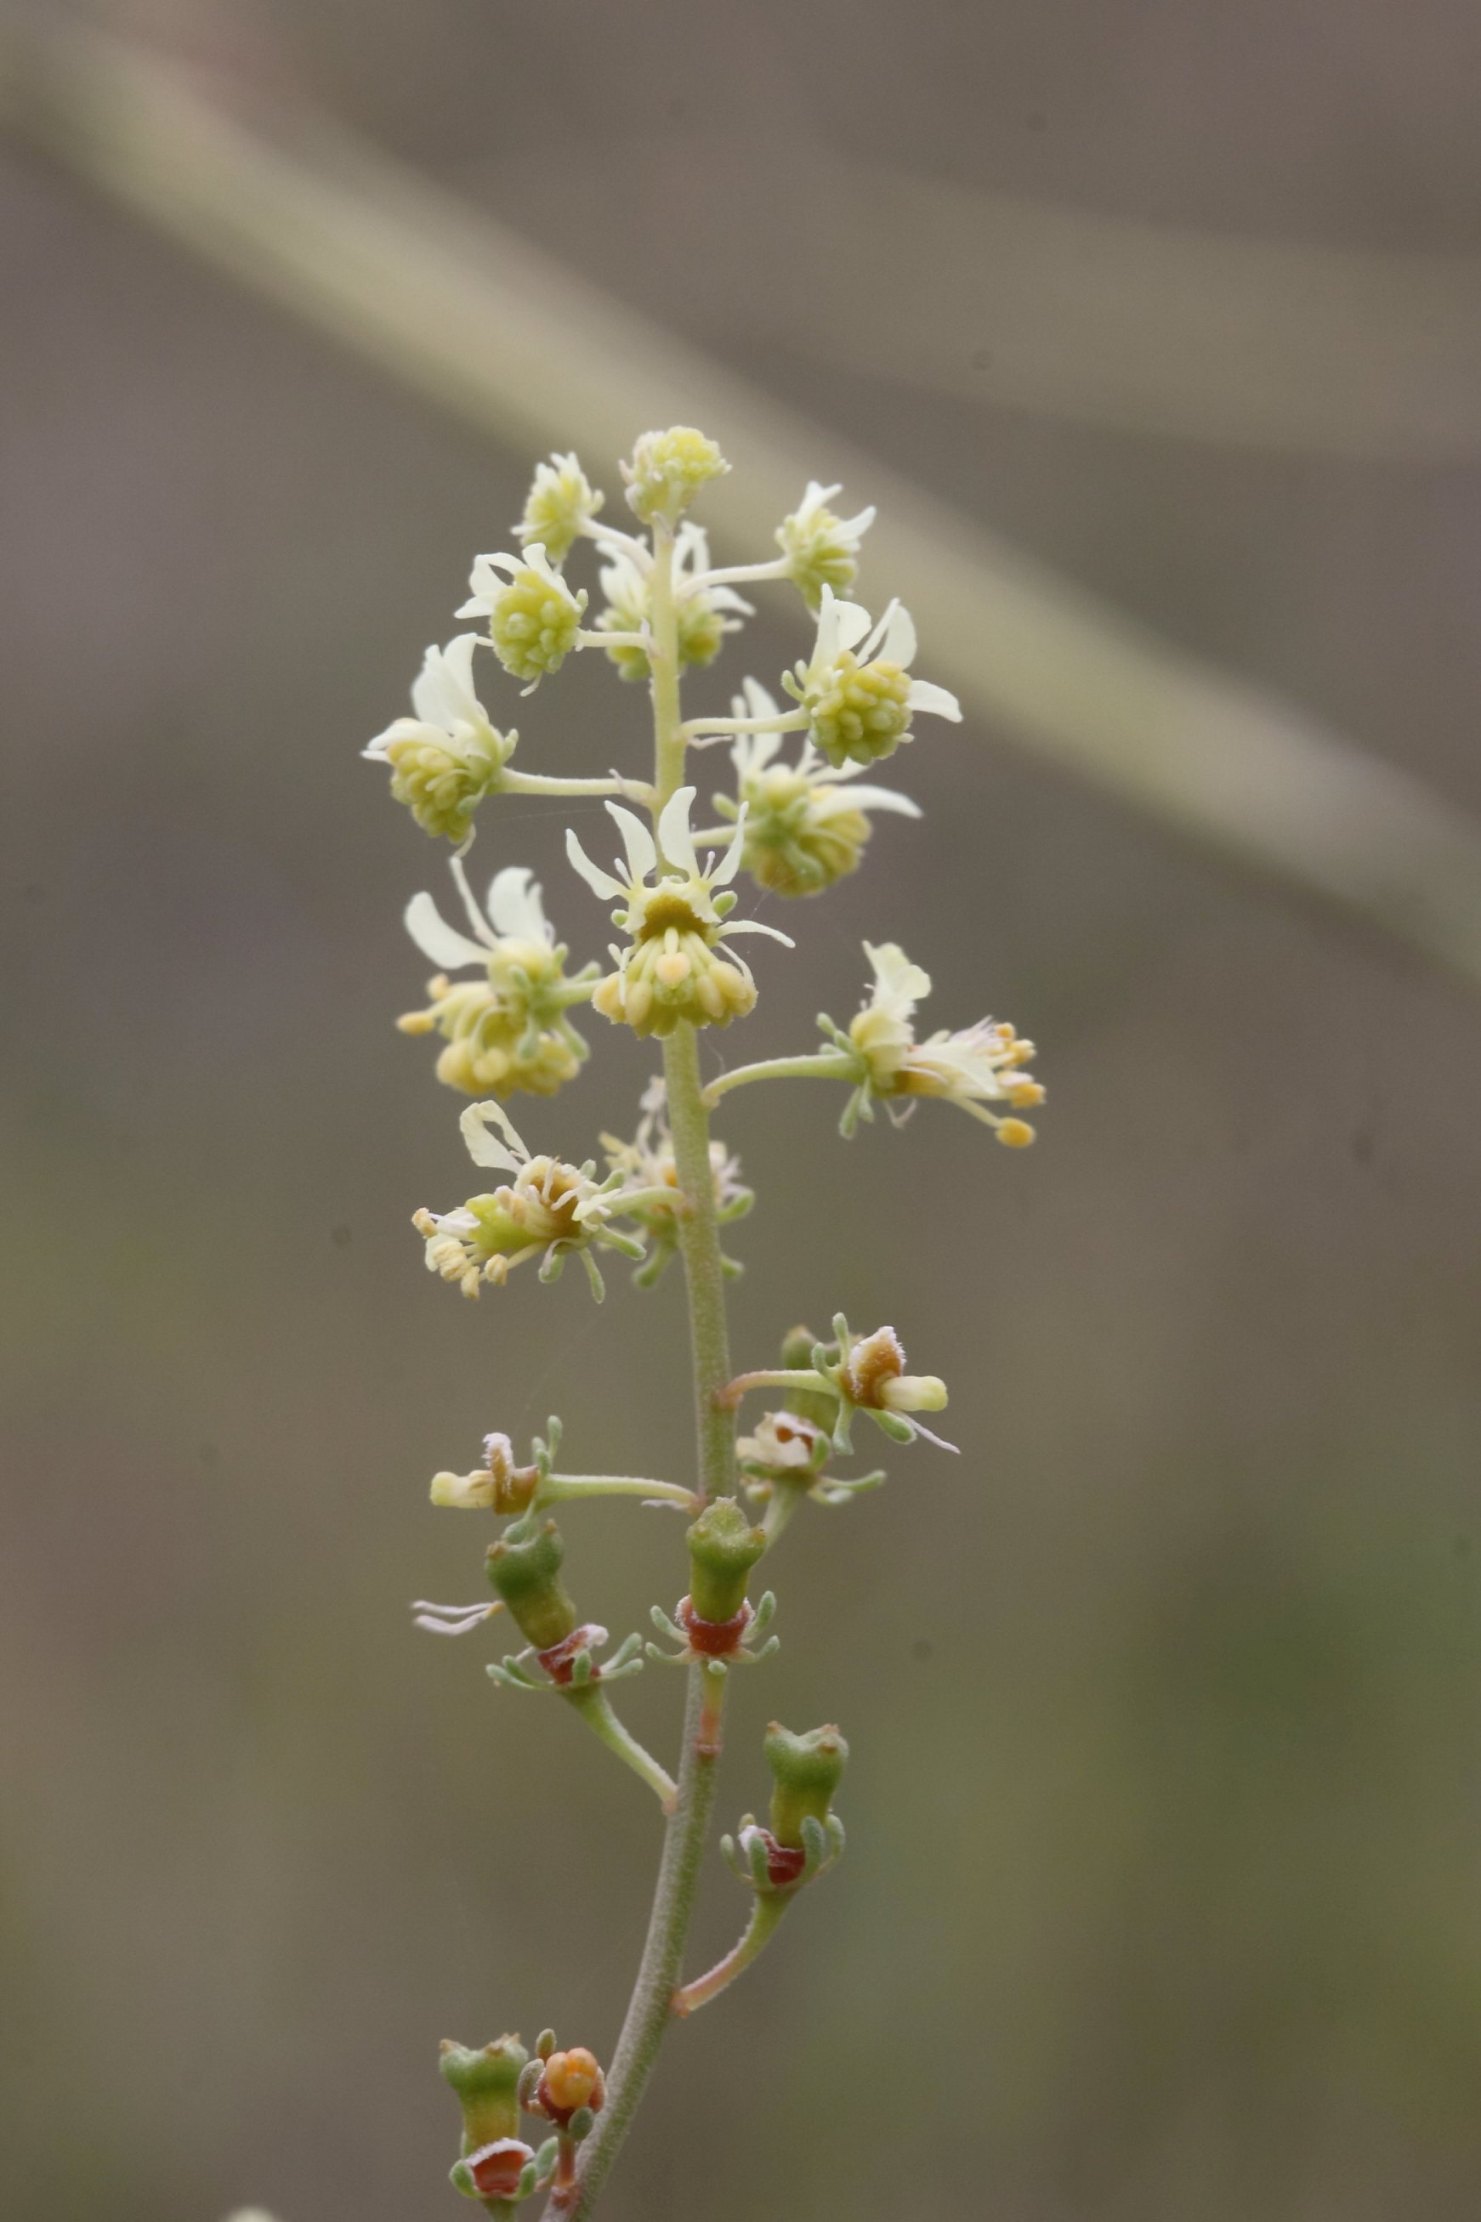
(533, 617)
(487, 2084)
(561, 501)
(723, 1547)
(821, 549)
(668, 469)
(860, 712)
(442, 786)
(524, 1566)
(801, 837)
(806, 1770)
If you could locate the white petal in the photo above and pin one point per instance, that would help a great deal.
(719, 875)
(428, 696)
(878, 798)
(673, 832)
(898, 984)
(487, 1149)
(514, 904)
(758, 926)
(755, 702)
(601, 883)
(851, 623)
(899, 637)
(636, 840)
(936, 701)
(447, 948)
(474, 916)
(401, 729)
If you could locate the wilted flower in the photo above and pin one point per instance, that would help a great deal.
(448, 756)
(867, 1373)
(507, 1031)
(671, 971)
(821, 549)
(533, 617)
(561, 502)
(704, 614)
(860, 705)
(549, 1210)
(498, 1485)
(806, 824)
(982, 1064)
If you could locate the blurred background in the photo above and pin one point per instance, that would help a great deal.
(1161, 1899)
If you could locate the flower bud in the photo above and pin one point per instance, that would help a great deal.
(668, 469)
(821, 549)
(561, 501)
(442, 784)
(524, 1567)
(861, 711)
(806, 1770)
(723, 1547)
(487, 2085)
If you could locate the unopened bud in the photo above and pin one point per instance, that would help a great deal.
(806, 1770)
(668, 469)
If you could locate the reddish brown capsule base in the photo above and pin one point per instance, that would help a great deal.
(497, 2168)
(561, 1657)
(784, 1862)
(714, 1639)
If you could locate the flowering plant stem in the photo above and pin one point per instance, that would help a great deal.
(651, 2007)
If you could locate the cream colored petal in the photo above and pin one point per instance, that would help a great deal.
(506, 1156)
(447, 948)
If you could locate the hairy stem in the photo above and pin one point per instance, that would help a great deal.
(596, 1711)
(765, 1915)
(650, 2009)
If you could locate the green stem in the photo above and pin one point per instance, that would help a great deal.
(765, 1915)
(822, 1064)
(543, 783)
(558, 1486)
(595, 1709)
(776, 1377)
(650, 2009)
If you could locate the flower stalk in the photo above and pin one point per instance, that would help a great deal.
(796, 820)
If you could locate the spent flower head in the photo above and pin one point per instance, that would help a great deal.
(856, 688)
(447, 756)
(975, 1067)
(533, 616)
(507, 1031)
(675, 911)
